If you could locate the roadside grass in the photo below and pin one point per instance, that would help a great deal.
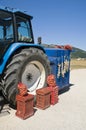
(77, 64)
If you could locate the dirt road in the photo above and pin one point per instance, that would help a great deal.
(68, 114)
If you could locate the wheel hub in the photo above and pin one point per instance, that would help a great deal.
(33, 76)
(29, 77)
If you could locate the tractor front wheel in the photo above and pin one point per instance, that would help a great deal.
(29, 66)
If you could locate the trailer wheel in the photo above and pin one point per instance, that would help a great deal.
(31, 67)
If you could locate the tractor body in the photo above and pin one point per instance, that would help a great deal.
(23, 61)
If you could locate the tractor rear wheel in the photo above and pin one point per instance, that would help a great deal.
(29, 66)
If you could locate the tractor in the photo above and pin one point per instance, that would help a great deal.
(23, 61)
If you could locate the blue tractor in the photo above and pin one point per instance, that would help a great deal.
(21, 60)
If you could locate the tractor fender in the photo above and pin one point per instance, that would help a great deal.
(12, 49)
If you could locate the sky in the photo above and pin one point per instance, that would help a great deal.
(56, 21)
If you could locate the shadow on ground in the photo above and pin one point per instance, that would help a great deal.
(66, 89)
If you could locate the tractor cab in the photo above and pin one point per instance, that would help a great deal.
(15, 26)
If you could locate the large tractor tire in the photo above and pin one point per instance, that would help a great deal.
(29, 66)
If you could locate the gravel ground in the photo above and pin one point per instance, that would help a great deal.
(68, 114)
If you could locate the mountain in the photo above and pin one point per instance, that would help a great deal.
(78, 53)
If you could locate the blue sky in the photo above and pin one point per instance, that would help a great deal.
(56, 21)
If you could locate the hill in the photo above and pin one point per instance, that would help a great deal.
(78, 53)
